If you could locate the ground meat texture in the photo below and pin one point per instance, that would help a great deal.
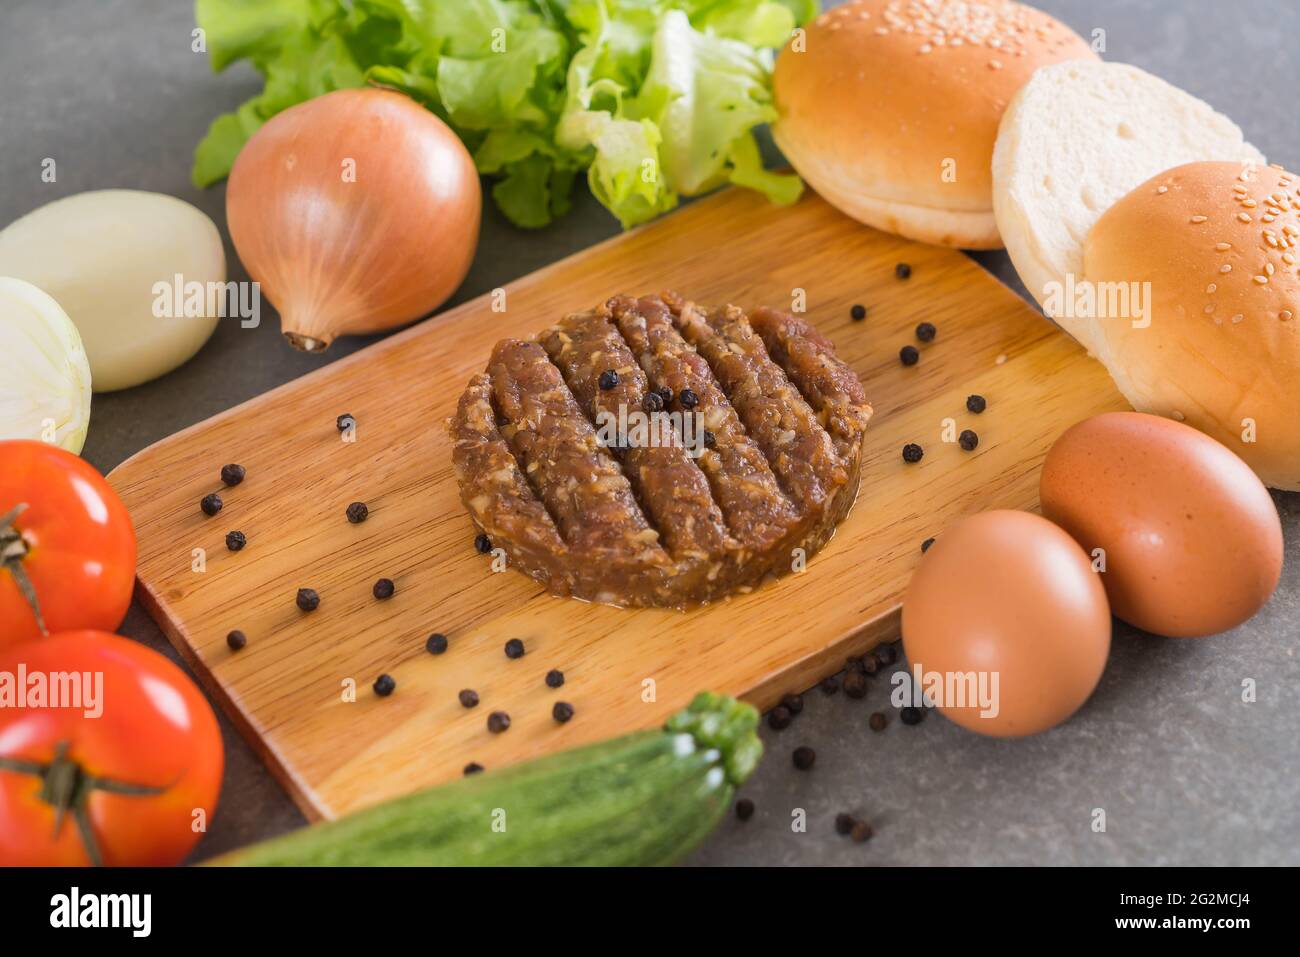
(774, 413)
(670, 486)
(755, 511)
(580, 483)
(660, 524)
(492, 486)
(830, 386)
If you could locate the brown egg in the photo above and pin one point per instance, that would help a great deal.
(1191, 540)
(1006, 611)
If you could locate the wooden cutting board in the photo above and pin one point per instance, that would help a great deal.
(288, 690)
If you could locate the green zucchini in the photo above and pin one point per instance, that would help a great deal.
(646, 798)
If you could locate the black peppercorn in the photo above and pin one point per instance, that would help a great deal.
(829, 685)
(483, 543)
(710, 440)
(908, 355)
(804, 757)
(666, 394)
(844, 823)
(744, 809)
(912, 453)
(779, 718)
(925, 545)
(870, 665)
(861, 832)
(211, 504)
(232, 474)
(926, 331)
(562, 711)
(514, 648)
(853, 662)
(236, 640)
(498, 721)
(307, 599)
(903, 271)
(688, 399)
(436, 644)
(235, 541)
(345, 422)
(858, 312)
(608, 379)
(792, 703)
(468, 698)
(358, 512)
(887, 654)
(855, 684)
(384, 588)
(555, 678)
(968, 440)
(384, 685)
(472, 768)
(877, 721)
(910, 716)
(976, 403)
(653, 402)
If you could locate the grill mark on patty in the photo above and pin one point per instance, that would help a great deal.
(670, 488)
(493, 487)
(775, 413)
(742, 481)
(581, 483)
(599, 526)
(828, 385)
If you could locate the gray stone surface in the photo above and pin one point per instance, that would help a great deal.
(1186, 772)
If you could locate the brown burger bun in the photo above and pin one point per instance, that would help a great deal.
(890, 108)
(1219, 244)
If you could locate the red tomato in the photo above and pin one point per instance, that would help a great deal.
(64, 531)
(132, 781)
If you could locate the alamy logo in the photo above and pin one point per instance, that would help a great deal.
(640, 430)
(78, 690)
(1081, 299)
(179, 299)
(947, 689)
(74, 909)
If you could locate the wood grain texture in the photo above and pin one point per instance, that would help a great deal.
(286, 689)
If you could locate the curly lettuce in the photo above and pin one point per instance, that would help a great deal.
(652, 99)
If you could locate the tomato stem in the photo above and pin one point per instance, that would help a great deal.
(13, 549)
(66, 787)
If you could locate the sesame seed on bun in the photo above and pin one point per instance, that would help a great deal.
(1219, 347)
(890, 108)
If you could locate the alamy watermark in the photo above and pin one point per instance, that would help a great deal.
(76, 690)
(946, 689)
(1083, 299)
(133, 912)
(629, 429)
(178, 299)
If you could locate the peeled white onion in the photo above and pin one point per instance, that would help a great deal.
(122, 263)
(44, 376)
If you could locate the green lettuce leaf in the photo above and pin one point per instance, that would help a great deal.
(625, 170)
(759, 23)
(653, 99)
(705, 94)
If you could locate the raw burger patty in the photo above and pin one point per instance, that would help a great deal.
(764, 463)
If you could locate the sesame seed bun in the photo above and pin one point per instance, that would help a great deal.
(889, 108)
(1220, 245)
(1075, 139)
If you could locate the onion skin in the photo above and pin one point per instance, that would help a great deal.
(356, 211)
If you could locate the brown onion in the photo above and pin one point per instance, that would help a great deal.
(356, 211)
